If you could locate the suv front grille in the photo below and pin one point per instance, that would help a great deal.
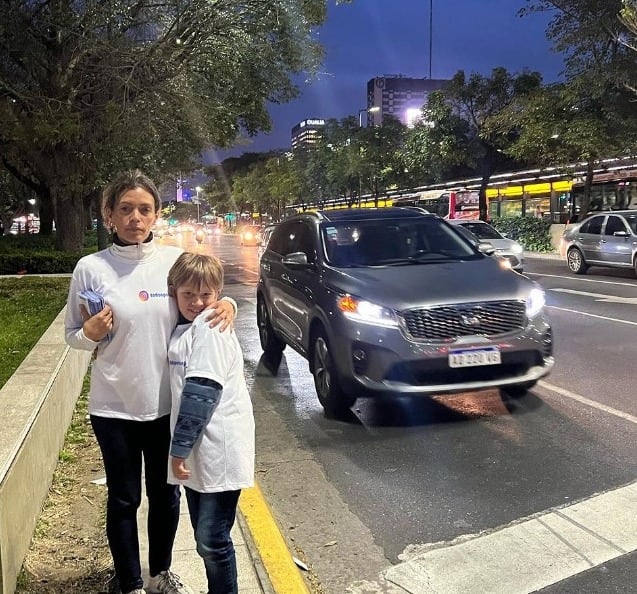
(449, 322)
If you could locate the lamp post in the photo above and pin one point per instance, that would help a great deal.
(198, 189)
(367, 111)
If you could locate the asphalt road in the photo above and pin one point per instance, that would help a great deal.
(435, 495)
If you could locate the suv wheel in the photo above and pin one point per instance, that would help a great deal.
(575, 261)
(334, 400)
(271, 344)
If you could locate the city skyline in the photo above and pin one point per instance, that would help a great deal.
(370, 38)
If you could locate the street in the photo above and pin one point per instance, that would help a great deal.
(362, 500)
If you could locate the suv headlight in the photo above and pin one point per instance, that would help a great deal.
(360, 310)
(534, 302)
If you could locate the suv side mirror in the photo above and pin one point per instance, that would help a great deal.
(296, 259)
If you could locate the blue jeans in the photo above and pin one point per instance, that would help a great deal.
(212, 516)
(123, 444)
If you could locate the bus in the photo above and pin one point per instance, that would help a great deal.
(448, 204)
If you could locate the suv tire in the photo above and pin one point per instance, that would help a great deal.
(271, 344)
(336, 403)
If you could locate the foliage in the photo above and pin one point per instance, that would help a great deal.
(456, 125)
(533, 233)
(98, 87)
(28, 305)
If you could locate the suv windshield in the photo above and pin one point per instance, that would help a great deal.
(378, 242)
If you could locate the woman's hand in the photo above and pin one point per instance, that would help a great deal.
(98, 326)
(221, 314)
(179, 468)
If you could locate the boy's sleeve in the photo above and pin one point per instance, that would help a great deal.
(199, 399)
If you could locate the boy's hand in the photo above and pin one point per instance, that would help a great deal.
(99, 325)
(221, 314)
(179, 468)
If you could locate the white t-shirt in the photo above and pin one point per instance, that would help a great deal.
(129, 377)
(223, 458)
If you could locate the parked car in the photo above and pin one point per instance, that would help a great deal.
(393, 300)
(249, 235)
(506, 248)
(602, 239)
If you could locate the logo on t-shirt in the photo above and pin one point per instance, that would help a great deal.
(145, 295)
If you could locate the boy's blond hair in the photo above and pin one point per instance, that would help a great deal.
(197, 270)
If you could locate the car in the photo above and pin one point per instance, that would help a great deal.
(250, 235)
(605, 238)
(396, 301)
(506, 248)
(264, 238)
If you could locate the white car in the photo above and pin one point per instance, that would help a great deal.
(504, 247)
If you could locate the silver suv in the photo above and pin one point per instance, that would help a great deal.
(392, 300)
(602, 239)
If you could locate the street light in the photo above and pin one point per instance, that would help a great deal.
(367, 110)
(198, 189)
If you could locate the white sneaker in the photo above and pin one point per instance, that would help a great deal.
(167, 582)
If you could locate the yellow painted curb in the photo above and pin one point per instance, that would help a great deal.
(284, 575)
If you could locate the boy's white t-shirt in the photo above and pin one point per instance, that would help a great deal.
(223, 458)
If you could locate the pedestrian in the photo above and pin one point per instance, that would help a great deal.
(129, 399)
(212, 448)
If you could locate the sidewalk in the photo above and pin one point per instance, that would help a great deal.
(253, 578)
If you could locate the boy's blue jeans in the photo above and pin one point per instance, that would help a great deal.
(123, 444)
(212, 516)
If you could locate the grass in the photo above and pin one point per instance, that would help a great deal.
(28, 305)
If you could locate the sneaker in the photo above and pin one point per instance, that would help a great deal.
(137, 591)
(167, 582)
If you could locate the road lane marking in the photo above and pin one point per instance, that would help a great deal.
(590, 315)
(598, 296)
(583, 280)
(588, 402)
(528, 555)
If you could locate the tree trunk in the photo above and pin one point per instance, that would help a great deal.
(69, 221)
(46, 211)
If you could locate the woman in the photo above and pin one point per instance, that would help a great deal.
(129, 400)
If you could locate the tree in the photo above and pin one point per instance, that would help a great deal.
(97, 87)
(457, 125)
(436, 147)
(628, 17)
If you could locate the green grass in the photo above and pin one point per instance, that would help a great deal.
(28, 305)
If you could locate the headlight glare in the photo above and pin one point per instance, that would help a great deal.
(366, 312)
(534, 302)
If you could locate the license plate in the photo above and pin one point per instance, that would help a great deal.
(474, 357)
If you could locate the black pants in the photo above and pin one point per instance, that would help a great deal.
(124, 444)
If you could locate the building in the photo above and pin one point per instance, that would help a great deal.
(307, 133)
(399, 96)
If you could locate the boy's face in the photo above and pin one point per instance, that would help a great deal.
(192, 300)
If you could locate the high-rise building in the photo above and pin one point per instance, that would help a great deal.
(399, 96)
(307, 133)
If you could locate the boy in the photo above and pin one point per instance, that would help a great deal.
(212, 448)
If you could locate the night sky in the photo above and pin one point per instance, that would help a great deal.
(369, 38)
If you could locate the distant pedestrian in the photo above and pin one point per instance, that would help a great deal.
(212, 448)
(129, 401)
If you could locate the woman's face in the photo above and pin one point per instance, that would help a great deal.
(134, 215)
